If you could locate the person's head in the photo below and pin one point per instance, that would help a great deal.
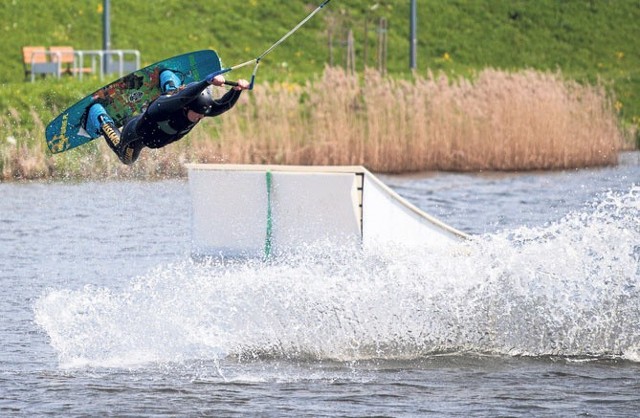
(203, 103)
(199, 107)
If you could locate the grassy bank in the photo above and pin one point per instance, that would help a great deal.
(525, 120)
(587, 40)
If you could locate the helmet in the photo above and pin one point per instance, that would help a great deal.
(203, 103)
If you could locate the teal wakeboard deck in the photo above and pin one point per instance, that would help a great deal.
(126, 97)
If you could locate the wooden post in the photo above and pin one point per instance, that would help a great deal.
(382, 45)
(330, 33)
(351, 53)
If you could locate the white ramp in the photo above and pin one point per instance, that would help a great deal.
(257, 210)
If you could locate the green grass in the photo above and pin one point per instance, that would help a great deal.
(588, 40)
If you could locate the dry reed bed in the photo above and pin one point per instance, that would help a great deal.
(499, 121)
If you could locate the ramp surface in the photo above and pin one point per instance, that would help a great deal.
(253, 210)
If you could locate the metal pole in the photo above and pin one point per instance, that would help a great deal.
(413, 37)
(106, 32)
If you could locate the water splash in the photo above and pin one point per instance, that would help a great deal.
(569, 288)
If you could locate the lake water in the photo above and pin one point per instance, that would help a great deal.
(105, 313)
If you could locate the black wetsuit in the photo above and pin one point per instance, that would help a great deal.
(165, 120)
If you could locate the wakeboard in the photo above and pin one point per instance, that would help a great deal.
(126, 97)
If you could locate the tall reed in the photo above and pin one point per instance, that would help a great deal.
(526, 120)
(499, 121)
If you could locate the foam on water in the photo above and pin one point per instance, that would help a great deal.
(569, 288)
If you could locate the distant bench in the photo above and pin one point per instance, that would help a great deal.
(58, 60)
(36, 60)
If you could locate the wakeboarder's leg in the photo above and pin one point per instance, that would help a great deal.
(100, 123)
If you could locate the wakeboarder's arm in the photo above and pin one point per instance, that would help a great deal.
(227, 101)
